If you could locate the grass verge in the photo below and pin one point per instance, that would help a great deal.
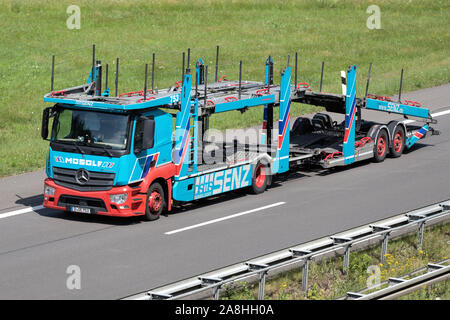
(327, 281)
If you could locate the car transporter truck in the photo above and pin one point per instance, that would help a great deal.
(139, 153)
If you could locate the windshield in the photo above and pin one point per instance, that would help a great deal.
(106, 130)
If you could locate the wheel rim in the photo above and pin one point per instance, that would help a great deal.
(154, 201)
(381, 146)
(398, 142)
(260, 176)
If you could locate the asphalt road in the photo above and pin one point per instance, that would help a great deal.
(120, 257)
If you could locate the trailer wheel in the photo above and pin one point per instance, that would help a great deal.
(398, 142)
(381, 146)
(155, 202)
(261, 176)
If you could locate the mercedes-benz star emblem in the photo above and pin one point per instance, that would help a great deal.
(82, 176)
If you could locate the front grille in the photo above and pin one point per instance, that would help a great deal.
(98, 181)
(96, 204)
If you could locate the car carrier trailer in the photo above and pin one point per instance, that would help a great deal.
(123, 156)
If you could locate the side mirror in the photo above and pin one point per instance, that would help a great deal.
(144, 134)
(45, 117)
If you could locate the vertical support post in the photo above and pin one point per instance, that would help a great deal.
(288, 58)
(268, 80)
(262, 277)
(205, 124)
(347, 245)
(189, 59)
(195, 138)
(182, 69)
(321, 76)
(368, 81)
(400, 89)
(53, 74)
(153, 72)
(224, 151)
(240, 79)
(305, 276)
(93, 61)
(346, 259)
(384, 247)
(117, 77)
(269, 128)
(216, 292)
(107, 76)
(217, 63)
(262, 284)
(145, 83)
(235, 142)
(296, 69)
(420, 235)
(98, 81)
(300, 253)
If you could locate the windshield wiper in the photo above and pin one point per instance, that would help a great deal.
(105, 148)
(75, 143)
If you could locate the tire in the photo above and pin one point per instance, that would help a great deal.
(398, 142)
(155, 202)
(261, 177)
(381, 147)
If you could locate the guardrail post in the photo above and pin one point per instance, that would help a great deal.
(216, 292)
(343, 240)
(305, 276)
(207, 281)
(384, 244)
(420, 235)
(301, 253)
(346, 259)
(384, 247)
(262, 277)
(416, 217)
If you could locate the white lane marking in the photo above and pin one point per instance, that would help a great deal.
(438, 114)
(21, 211)
(225, 218)
(434, 115)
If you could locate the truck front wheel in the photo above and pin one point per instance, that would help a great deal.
(155, 202)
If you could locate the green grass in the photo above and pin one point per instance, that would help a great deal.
(415, 35)
(327, 281)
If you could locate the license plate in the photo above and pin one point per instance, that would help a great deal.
(81, 210)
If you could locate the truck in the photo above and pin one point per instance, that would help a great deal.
(141, 153)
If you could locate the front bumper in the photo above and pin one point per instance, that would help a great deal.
(98, 201)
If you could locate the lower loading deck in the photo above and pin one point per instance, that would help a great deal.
(324, 145)
(320, 146)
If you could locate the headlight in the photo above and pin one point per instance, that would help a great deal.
(49, 191)
(118, 198)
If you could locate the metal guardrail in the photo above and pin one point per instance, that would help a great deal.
(302, 254)
(398, 287)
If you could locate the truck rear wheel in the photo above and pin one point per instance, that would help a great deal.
(261, 176)
(398, 142)
(155, 202)
(381, 146)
